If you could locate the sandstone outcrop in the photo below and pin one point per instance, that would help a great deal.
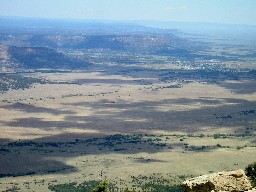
(233, 181)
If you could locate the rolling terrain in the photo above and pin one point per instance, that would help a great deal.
(133, 104)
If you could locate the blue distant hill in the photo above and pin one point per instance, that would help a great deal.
(36, 25)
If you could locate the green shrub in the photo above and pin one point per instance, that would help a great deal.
(74, 187)
(102, 187)
(250, 172)
(127, 190)
(216, 136)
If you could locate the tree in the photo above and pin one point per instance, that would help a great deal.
(102, 187)
(250, 172)
(127, 190)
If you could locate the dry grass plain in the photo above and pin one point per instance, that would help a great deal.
(48, 131)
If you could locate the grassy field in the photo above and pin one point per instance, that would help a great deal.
(132, 129)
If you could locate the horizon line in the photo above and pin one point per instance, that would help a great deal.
(133, 21)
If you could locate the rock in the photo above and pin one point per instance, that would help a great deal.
(253, 190)
(233, 181)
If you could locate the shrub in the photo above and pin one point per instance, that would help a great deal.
(102, 187)
(87, 186)
(250, 172)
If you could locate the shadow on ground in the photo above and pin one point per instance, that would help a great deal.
(182, 115)
(46, 155)
(240, 87)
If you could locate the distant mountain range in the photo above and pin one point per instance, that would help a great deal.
(33, 51)
(35, 25)
(39, 43)
(34, 43)
(60, 26)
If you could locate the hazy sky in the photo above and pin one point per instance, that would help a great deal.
(217, 11)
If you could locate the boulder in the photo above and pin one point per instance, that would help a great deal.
(233, 181)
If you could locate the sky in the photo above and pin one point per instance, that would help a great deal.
(213, 11)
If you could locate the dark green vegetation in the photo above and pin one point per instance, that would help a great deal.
(156, 183)
(211, 76)
(250, 171)
(103, 186)
(42, 57)
(74, 187)
(120, 144)
(14, 189)
(159, 185)
(16, 81)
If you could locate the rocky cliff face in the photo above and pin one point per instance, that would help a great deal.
(233, 181)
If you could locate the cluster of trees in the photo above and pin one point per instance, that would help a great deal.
(16, 81)
(103, 186)
(106, 186)
(90, 186)
(250, 172)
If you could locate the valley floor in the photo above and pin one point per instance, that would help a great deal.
(84, 123)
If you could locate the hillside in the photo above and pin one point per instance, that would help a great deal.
(42, 57)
